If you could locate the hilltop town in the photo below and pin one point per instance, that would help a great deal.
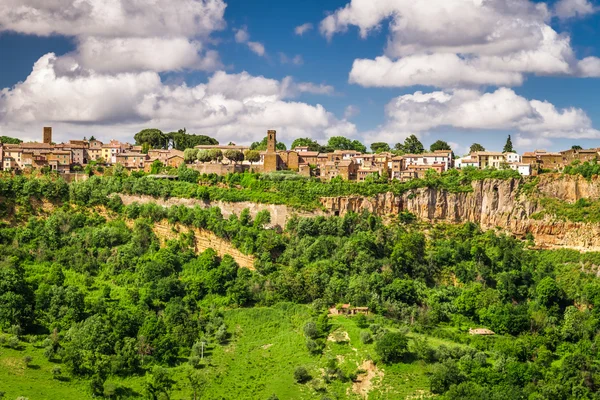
(349, 165)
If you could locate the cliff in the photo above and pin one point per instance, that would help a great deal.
(493, 204)
(501, 204)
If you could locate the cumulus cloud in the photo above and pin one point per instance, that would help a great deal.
(235, 107)
(122, 36)
(351, 111)
(566, 9)
(455, 43)
(242, 36)
(113, 18)
(473, 110)
(302, 29)
(296, 60)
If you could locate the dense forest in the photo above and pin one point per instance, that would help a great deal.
(89, 288)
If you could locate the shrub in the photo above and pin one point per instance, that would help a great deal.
(361, 321)
(310, 330)
(366, 337)
(391, 347)
(301, 375)
(27, 360)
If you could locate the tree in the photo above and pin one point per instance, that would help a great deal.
(301, 375)
(234, 155)
(262, 145)
(215, 155)
(252, 156)
(190, 155)
(9, 140)
(182, 140)
(391, 347)
(307, 142)
(155, 138)
(475, 147)
(411, 145)
(439, 145)
(576, 147)
(508, 147)
(158, 383)
(204, 156)
(380, 147)
(342, 143)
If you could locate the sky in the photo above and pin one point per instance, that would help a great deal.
(462, 71)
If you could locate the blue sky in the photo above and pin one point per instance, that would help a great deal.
(213, 76)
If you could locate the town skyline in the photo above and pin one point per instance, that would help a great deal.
(306, 70)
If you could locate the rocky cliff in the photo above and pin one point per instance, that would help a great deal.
(504, 204)
(501, 204)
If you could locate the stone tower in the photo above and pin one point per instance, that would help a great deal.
(270, 163)
(271, 141)
(47, 138)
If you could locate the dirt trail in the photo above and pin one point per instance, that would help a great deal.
(364, 382)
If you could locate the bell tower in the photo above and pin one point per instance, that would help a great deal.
(47, 137)
(271, 141)
(271, 156)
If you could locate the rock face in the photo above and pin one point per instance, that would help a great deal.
(492, 204)
(279, 213)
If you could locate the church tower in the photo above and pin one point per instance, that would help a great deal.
(47, 137)
(271, 157)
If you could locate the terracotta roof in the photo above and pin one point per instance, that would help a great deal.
(36, 145)
(131, 155)
(345, 163)
(487, 153)
(308, 153)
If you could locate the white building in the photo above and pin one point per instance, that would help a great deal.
(523, 168)
(467, 161)
(436, 158)
(512, 158)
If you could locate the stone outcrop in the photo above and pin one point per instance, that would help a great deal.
(500, 204)
(203, 240)
(279, 213)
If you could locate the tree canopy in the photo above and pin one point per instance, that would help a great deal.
(411, 145)
(343, 143)
(262, 145)
(439, 145)
(380, 147)
(307, 142)
(476, 147)
(508, 147)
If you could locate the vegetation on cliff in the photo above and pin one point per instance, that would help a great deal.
(105, 310)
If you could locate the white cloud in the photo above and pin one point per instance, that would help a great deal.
(242, 36)
(115, 55)
(351, 111)
(475, 110)
(441, 70)
(296, 60)
(257, 48)
(113, 18)
(124, 36)
(589, 67)
(565, 9)
(302, 29)
(456, 43)
(237, 107)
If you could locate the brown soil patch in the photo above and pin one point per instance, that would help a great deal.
(15, 365)
(338, 336)
(364, 382)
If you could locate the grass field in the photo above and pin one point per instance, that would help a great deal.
(265, 348)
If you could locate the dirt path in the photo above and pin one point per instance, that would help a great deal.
(364, 382)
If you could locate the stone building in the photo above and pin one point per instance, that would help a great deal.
(270, 157)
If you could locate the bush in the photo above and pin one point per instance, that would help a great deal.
(361, 321)
(310, 330)
(301, 375)
(27, 360)
(366, 337)
(391, 347)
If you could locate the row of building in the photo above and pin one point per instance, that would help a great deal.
(64, 157)
(347, 164)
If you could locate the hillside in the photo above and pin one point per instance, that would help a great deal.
(163, 301)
